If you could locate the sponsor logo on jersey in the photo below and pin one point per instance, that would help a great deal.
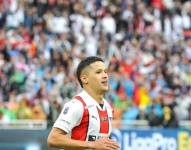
(92, 138)
(96, 137)
(94, 117)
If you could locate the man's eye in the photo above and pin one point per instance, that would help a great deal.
(98, 71)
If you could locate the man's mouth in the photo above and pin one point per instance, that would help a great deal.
(104, 82)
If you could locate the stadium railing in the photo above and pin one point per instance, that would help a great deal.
(24, 124)
(41, 125)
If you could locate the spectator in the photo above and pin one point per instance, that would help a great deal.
(146, 45)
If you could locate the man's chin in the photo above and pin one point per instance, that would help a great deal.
(105, 89)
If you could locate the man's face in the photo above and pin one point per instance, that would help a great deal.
(97, 76)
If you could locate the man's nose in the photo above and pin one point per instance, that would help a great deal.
(105, 75)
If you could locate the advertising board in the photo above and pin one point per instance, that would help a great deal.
(152, 139)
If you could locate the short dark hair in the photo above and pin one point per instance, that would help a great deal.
(84, 63)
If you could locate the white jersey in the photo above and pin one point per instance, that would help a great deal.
(85, 119)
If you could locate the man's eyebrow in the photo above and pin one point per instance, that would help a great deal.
(100, 69)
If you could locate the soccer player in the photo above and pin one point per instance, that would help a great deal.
(85, 121)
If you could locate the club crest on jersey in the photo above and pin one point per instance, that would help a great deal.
(66, 110)
(103, 119)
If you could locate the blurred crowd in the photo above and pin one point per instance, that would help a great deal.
(145, 43)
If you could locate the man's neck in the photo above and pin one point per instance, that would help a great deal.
(97, 97)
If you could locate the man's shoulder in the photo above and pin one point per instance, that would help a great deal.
(72, 106)
(74, 103)
(83, 96)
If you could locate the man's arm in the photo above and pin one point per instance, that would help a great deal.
(58, 138)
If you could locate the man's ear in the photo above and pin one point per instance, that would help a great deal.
(84, 78)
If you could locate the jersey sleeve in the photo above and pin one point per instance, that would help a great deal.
(70, 116)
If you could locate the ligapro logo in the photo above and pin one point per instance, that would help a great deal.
(156, 141)
(184, 140)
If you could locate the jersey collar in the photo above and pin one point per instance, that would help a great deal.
(92, 100)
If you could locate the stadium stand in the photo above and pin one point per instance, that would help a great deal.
(146, 44)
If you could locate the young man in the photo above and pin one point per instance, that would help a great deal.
(87, 117)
